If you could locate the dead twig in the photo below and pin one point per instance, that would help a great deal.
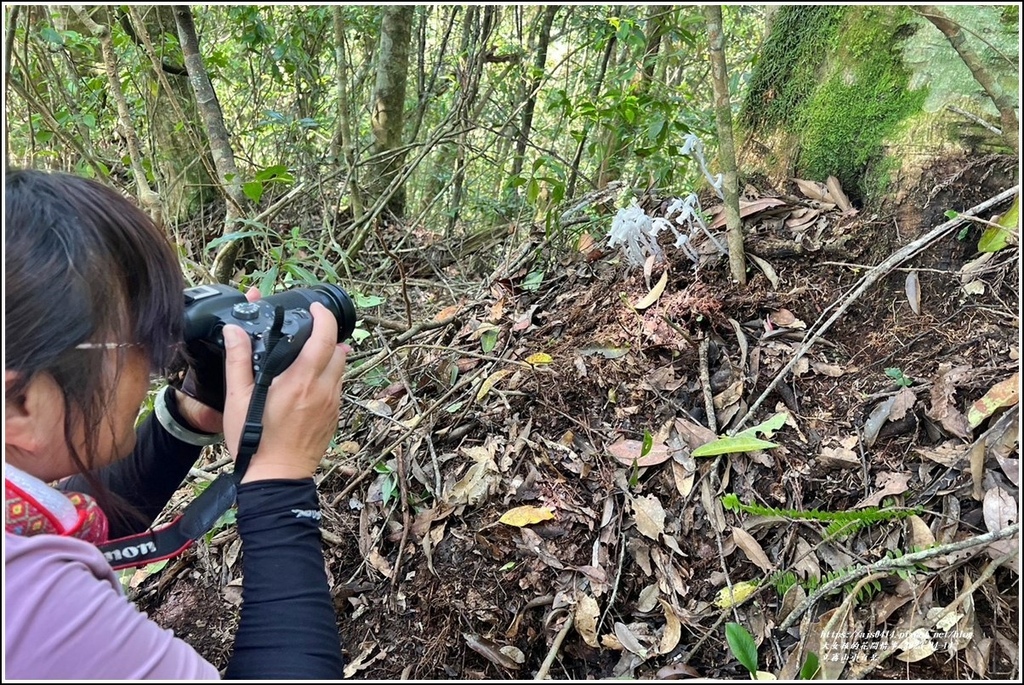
(933, 621)
(705, 383)
(894, 563)
(556, 646)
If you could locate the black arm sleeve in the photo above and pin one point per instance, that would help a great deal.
(147, 478)
(288, 628)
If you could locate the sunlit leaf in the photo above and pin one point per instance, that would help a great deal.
(526, 515)
(996, 238)
(489, 382)
(732, 445)
(652, 297)
(741, 592)
(1003, 394)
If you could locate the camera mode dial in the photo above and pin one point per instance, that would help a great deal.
(246, 311)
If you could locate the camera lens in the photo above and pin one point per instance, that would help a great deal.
(331, 296)
(341, 305)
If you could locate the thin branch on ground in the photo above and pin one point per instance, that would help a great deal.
(892, 563)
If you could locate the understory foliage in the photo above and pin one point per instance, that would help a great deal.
(296, 85)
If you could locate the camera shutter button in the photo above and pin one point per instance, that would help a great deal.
(246, 311)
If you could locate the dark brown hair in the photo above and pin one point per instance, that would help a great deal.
(83, 264)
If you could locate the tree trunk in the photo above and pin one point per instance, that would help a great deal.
(342, 147)
(598, 83)
(1002, 100)
(220, 143)
(148, 199)
(180, 154)
(389, 103)
(536, 78)
(726, 150)
(873, 94)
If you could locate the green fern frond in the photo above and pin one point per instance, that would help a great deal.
(841, 523)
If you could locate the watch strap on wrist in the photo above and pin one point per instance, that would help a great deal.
(172, 426)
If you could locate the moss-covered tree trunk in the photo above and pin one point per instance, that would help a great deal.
(870, 93)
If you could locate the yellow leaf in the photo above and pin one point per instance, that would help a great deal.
(1004, 394)
(539, 359)
(486, 386)
(652, 297)
(741, 592)
(525, 515)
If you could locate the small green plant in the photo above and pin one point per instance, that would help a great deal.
(389, 483)
(898, 377)
(841, 523)
(743, 647)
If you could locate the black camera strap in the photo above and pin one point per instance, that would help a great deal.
(170, 540)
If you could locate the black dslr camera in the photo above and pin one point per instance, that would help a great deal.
(209, 307)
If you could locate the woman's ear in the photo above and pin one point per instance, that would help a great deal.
(33, 416)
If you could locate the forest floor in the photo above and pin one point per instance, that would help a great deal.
(614, 561)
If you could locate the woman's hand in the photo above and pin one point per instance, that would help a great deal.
(301, 414)
(199, 416)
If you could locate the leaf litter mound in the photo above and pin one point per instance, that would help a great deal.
(518, 489)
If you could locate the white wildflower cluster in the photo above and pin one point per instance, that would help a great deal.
(637, 232)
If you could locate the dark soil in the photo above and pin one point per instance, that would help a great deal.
(428, 584)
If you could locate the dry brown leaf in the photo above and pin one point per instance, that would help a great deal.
(793, 598)
(879, 415)
(649, 516)
(813, 190)
(652, 297)
(1000, 510)
(904, 400)
(836, 194)
(912, 286)
(648, 598)
(626, 452)
(585, 618)
(964, 633)
(693, 433)
(752, 548)
(949, 453)
(943, 410)
(830, 370)
(919, 534)
(833, 649)
(979, 651)
(916, 646)
(768, 269)
(448, 312)
(839, 457)
(683, 478)
(489, 650)
(628, 640)
(380, 563)
(805, 561)
(677, 672)
(889, 483)
(673, 629)
(749, 208)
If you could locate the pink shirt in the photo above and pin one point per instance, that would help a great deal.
(66, 617)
